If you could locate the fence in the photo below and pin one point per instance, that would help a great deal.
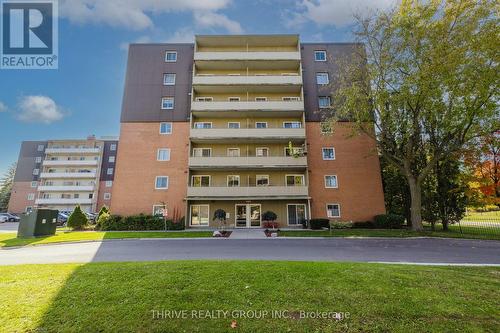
(479, 225)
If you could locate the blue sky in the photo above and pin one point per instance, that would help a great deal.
(84, 95)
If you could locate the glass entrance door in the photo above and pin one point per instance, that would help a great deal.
(254, 216)
(296, 213)
(241, 216)
(248, 216)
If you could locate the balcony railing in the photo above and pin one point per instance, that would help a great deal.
(257, 133)
(269, 105)
(69, 162)
(61, 201)
(242, 55)
(66, 188)
(247, 79)
(248, 162)
(68, 175)
(72, 150)
(213, 192)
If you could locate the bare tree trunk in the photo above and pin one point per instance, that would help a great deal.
(416, 203)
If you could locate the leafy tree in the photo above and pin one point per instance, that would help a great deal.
(77, 220)
(428, 81)
(270, 216)
(103, 210)
(6, 187)
(396, 190)
(220, 216)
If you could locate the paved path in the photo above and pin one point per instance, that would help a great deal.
(9, 227)
(422, 250)
(248, 234)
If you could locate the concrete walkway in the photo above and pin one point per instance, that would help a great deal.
(248, 234)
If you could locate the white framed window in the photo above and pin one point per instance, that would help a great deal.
(163, 154)
(333, 210)
(292, 124)
(326, 128)
(170, 56)
(233, 180)
(233, 152)
(200, 215)
(158, 210)
(109, 171)
(294, 180)
(322, 78)
(167, 103)
(76, 196)
(34, 184)
(320, 55)
(107, 196)
(324, 102)
(36, 172)
(262, 152)
(169, 79)
(111, 159)
(204, 99)
(328, 153)
(165, 128)
(31, 196)
(262, 180)
(161, 182)
(200, 181)
(290, 99)
(233, 99)
(40, 147)
(38, 159)
(200, 125)
(202, 152)
(331, 181)
(233, 124)
(261, 99)
(112, 147)
(109, 183)
(260, 124)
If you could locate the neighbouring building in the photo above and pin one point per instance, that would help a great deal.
(235, 123)
(61, 174)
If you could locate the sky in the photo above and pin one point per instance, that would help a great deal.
(83, 96)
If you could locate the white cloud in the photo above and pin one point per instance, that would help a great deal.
(39, 109)
(338, 13)
(3, 107)
(212, 19)
(183, 35)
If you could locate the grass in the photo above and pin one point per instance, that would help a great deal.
(10, 239)
(120, 297)
(488, 216)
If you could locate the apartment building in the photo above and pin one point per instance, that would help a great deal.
(61, 174)
(236, 123)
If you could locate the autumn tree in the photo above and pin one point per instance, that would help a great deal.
(486, 168)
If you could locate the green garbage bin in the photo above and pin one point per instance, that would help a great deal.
(39, 222)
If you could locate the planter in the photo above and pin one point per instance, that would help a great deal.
(222, 234)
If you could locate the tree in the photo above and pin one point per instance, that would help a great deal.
(6, 187)
(77, 220)
(270, 216)
(220, 216)
(103, 210)
(427, 80)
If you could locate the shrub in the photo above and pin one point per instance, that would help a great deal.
(269, 216)
(176, 225)
(270, 225)
(389, 221)
(317, 224)
(77, 220)
(103, 210)
(341, 224)
(102, 219)
(139, 223)
(363, 225)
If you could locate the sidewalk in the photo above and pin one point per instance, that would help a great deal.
(248, 234)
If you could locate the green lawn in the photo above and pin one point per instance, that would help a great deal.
(120, 297)
(486, 216)
(9, 239)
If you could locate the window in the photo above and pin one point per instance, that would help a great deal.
(233, 99)
(294, 151)
(168, 79)
(38, 159)
(111, 159)
(158, 210)
(112, 147)
(170, 56)
(292, 124)
(40, 147)
(325, 127)
(165, 128)
(76, 196)
(200, 215)
(260, 99)
(262, 180)
(91, 195)
(262, 152)
(328, 153)
(36, 172)
(34, 184)
(109, 183)
(296, 213)
(233, 125)
(28, 209)
(319, 55)
(324, 101)
(331, 181)
(202, 152)
(161, 182)
(291, 99)
(204, 99)
(109, 171)
(107, 196)
(65, 196)
(260, 124)
(322, 78)
(333, 210)
(202, 125)
(294, 180)
(233, 181)
(200, 181)
(31, 196)
(233, 152)
(167, 103)
(163, 154)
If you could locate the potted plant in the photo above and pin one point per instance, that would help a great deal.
(220, 217)
(269, 217)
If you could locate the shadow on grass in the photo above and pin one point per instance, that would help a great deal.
(13, 241)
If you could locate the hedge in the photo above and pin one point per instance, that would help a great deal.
(317, 224)
(138, 223)
(389, 221)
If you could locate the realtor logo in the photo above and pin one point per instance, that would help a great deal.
(29, 34)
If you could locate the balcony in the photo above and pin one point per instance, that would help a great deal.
(243, 55)
(248, 162)
(70, 163)
(260, 134)
(62, 188)
(60, 201)
(260, 192)
(74, 150)
(248, 106)
(68, 175)
(247, 80)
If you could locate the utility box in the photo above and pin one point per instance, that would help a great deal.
(39, 222)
